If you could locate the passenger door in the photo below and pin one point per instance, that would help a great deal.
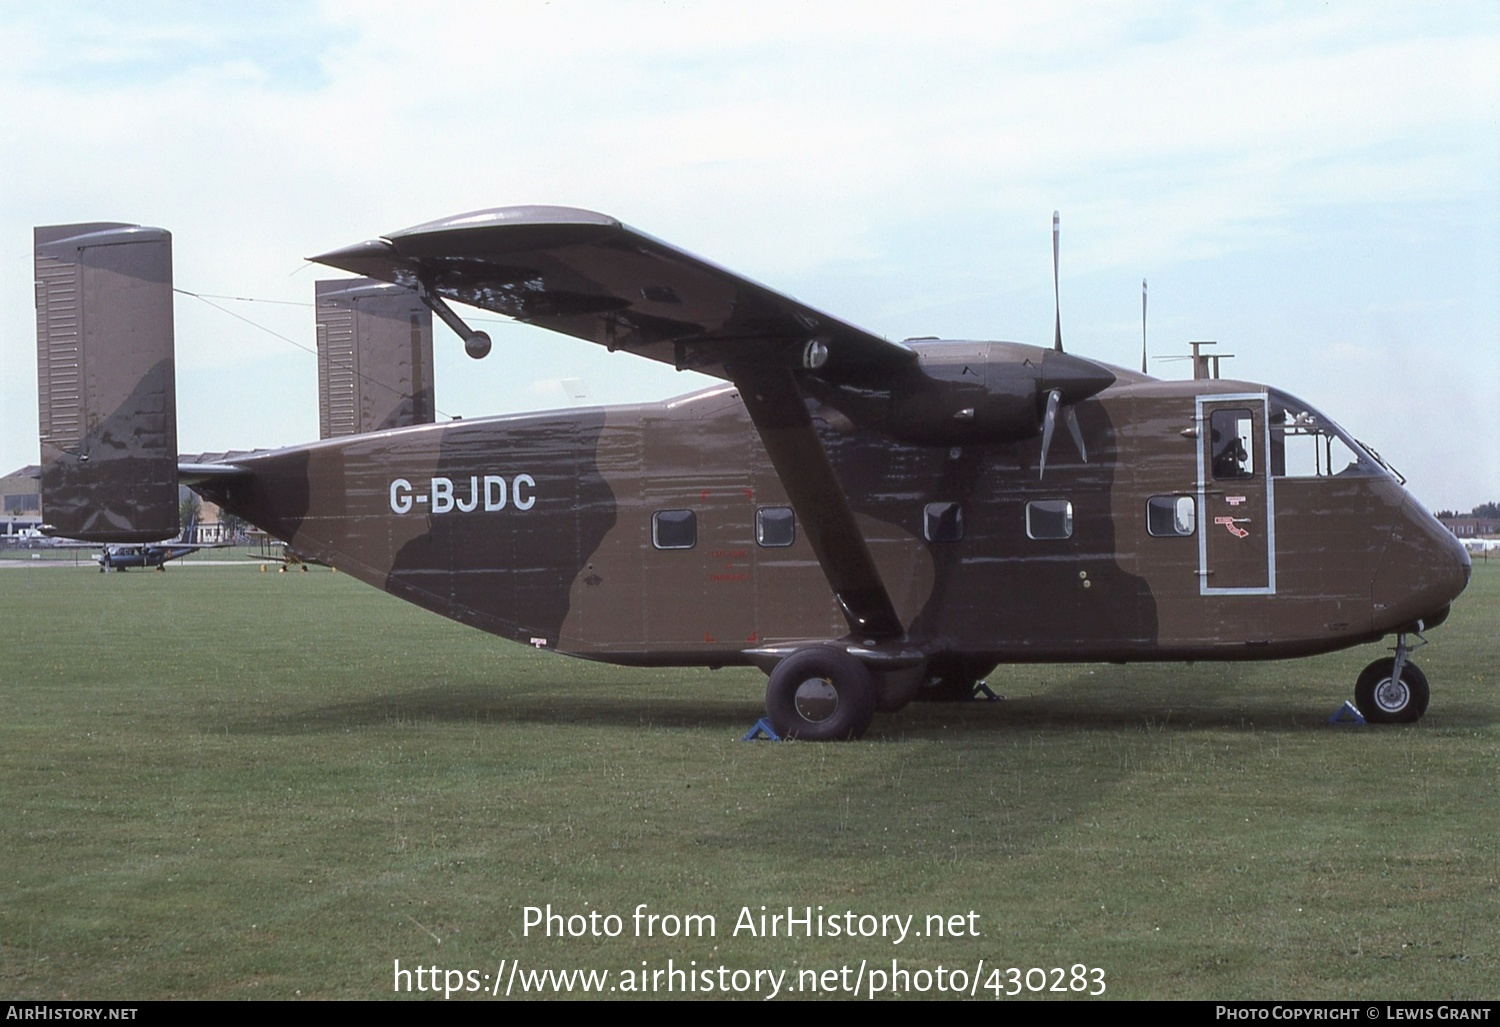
(1237, 534)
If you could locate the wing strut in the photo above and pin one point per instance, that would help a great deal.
(476, 344)
(779, 411)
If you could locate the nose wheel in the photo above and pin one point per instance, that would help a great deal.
(1393, 690)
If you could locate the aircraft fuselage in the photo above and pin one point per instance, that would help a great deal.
(660, 534)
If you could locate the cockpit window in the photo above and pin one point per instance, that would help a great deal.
(1306, 444)
(1233, 444)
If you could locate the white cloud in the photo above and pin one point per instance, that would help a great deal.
(894, 165)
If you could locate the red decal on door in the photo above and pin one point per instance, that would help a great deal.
(1233, 524)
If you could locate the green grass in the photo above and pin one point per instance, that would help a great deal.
(219, 783)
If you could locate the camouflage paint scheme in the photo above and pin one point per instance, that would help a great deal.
(577, 571)
(914, 471)
(107, 381)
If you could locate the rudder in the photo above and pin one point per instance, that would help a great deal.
(374, 357)
(106, 382)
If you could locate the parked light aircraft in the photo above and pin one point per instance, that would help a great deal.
(869, 522)
(124, 556)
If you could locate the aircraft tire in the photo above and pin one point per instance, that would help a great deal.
(1381, 700)
(820, 694)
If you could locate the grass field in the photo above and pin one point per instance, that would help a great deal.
(219, 783)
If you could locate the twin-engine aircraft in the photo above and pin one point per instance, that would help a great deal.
(870, 522)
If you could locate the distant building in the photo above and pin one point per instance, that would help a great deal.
(1472, 527)
(20, 500)
(210, 526)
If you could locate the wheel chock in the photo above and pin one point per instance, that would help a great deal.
(762, 729)
(1347, 714)
(982, 693)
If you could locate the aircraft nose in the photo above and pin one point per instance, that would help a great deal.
(1424, 569)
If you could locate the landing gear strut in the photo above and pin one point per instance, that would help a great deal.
(1393, 690)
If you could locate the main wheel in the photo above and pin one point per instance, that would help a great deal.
(1382, 699)
(820, 694)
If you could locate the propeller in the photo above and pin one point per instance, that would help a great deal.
(1049, 422)
(1071, 417)
(1143, 326)
(1056, 299)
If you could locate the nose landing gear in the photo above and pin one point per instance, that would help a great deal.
(1393, 690)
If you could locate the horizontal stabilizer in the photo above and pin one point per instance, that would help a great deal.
(106, 382)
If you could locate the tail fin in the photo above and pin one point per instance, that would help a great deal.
(374, 357)
(106, 381)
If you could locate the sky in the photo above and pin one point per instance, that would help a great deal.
(1316, 187)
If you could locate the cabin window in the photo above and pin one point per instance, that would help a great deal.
(1233, 444)
(943, 522)
(1049, 518)
(674, 529)
(1171, 516)
(775, 526)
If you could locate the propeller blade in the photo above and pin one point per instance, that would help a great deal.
(1056, 299)
(1077, 433)
(1049, 421)
(1143, 326)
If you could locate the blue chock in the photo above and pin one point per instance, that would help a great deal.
(1347, 714)
(762, 729)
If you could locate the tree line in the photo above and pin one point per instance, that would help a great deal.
(1482, 510)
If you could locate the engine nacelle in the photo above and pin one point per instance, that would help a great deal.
(969, 393)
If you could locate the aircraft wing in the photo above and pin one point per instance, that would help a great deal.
(591, 277)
